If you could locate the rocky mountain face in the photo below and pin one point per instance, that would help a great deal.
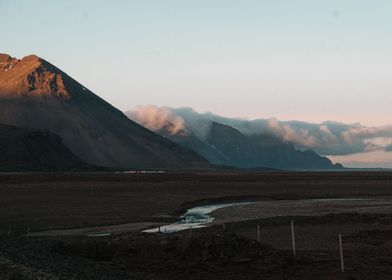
(31, 150)
(30, 76)
(262, 150)
(225, 145)
(37, 95)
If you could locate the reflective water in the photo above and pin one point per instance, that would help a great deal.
(196, 217)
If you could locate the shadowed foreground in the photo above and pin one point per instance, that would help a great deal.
(32, 203)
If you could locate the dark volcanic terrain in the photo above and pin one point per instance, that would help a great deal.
(37, 95)
(33, 203)
(26, 149)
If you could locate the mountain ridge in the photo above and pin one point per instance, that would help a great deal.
(222, 144)
(37, 95)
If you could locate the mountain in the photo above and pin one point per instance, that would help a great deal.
(28, 150)
(37, 95)
(262, 150)
(225, 145)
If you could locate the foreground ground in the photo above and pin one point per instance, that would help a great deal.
(36, 203)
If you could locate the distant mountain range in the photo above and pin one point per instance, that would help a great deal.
(225, 145)
(35, 94)
(49, 121)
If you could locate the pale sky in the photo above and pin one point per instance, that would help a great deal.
(308, 60)
(290, 59)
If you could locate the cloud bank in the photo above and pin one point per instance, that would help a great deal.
(157, 118)
(327, 138)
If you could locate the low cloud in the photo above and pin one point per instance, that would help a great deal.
(157, 118)
(327, 138)
(374, 159)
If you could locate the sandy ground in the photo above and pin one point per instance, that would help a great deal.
(83, 204)
(307, 207)
(57, 201)
(91, 231)
(255, 211)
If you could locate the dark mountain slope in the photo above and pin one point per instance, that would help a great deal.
(262, 150)
(35, 94)
(28, 150)
(225, 145)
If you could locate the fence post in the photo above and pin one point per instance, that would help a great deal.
(293, 238)
(258, 233)
(341, 253)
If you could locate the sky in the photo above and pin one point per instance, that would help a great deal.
(289, 59)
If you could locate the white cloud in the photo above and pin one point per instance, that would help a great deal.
(327, 138)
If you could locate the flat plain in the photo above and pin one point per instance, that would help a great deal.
(45, 219)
